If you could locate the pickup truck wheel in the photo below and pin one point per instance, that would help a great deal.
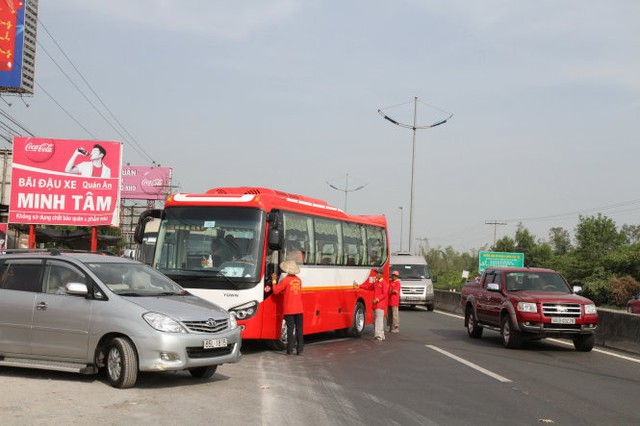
(511, 338)
(473, 329)
(584, 342)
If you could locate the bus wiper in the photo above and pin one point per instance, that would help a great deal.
(233, 283)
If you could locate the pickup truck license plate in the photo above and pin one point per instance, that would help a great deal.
(215, 343)
(563, 320)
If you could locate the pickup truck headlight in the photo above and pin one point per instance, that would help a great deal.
(590, 309)
(527, 307)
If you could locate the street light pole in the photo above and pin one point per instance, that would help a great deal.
(413, 127)
(401, 220)
(346, 190)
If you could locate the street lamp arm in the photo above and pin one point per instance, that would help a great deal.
(386, 117)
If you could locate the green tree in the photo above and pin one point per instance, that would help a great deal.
(597, 236)
(560, 241)
(632, 232)
(505, 244)
(525, 244)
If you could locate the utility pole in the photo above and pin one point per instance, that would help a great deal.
(495, 224)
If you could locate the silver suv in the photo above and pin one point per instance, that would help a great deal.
(82, 312)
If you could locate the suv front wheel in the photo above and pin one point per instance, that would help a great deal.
(122, 363)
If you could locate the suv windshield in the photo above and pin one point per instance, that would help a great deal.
(213, 247)
(134, 279)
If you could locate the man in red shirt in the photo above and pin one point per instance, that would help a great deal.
(291, 288)
(393, 318)
(380, 288)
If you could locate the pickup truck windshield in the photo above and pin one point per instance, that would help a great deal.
(536, 281)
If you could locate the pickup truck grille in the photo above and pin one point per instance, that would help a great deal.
(564, 310)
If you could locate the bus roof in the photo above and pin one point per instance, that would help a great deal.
(268, 200)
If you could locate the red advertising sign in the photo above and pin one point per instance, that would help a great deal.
(65, 182)
(8, 23)
(3, 235)
(145, 183)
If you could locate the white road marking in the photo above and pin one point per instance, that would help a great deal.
(470, 364)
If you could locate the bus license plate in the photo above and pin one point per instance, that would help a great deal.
(215, 343)
(563, 320)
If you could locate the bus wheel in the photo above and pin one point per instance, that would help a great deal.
(281, 343)
(358, 321)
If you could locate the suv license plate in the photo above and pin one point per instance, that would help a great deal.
(215, 343)
(563, 320)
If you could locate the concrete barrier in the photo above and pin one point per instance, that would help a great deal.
(616, 329)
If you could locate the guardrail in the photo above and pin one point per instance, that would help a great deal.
(616, 330)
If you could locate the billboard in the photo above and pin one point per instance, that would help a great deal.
(496, 259)
(65, 182)
(145, 183)
(18, 24)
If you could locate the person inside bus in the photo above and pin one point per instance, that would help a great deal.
(220, 252)
(291, 288)
(294, 252)
(380, 290)
(393, 317)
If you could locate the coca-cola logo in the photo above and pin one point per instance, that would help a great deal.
(40, 152)
(152, 185)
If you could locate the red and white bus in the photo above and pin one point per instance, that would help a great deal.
(253, 230)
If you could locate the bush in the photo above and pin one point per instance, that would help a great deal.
(597, 289)
(623, 288)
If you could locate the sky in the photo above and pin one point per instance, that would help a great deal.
(284, 94)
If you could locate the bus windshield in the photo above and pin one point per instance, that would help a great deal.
(211, 247)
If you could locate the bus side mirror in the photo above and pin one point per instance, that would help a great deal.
(274, 237)
(146, 215)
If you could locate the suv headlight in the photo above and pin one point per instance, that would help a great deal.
(163, 323)
(233, 323)
(590, 309)
(527, 307)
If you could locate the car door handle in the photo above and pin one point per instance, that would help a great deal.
(42, 306)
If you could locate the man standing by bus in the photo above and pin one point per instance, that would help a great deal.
(291, 286)
(380, 288)
(393, 317)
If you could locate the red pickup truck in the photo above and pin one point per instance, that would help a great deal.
(528, 304)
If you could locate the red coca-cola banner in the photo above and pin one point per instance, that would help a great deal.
(65, 182)
(145, 183)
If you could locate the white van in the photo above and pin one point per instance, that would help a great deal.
(417, 288)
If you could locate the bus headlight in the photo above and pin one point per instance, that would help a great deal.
(245, 311)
